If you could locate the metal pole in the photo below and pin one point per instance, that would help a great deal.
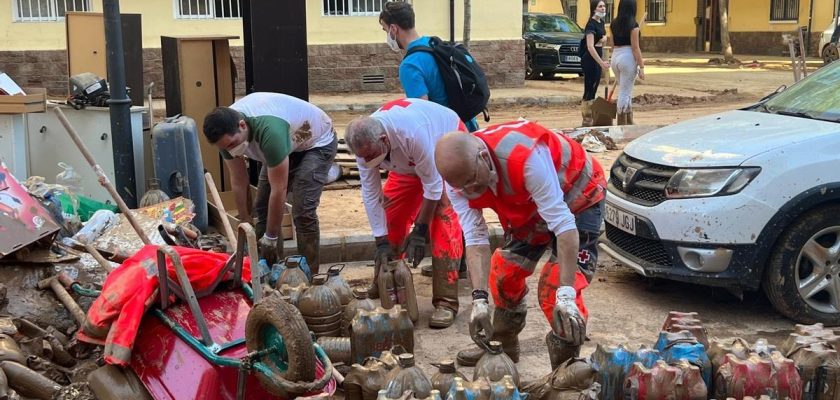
(452, 21)
(120, 105)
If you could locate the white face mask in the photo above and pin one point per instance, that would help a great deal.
(239, 150)
(392, 41)
(376, 161)
(600, 14)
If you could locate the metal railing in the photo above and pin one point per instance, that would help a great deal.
(46, 10)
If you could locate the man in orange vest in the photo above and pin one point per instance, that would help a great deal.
(547, 191)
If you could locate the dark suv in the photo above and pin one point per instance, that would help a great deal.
(551, 45)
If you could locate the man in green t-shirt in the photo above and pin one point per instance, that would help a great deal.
(296, 144)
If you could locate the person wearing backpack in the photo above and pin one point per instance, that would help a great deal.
(591, 61)
(420, 71)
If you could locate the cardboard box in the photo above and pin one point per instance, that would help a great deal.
(35, 100)
(287, 231)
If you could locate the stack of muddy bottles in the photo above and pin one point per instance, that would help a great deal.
(743, 370)
(572, 380)
(16, 378)
(686, 321)
(396, 286)
(676, 346)
(482, 389)
(379, 330)
(433, 395)
(678, 381)
(613, 363)
(365, 380)
(445, 376)
(360, 302)
(813, 349)
(321, 308)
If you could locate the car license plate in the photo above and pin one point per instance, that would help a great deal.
(571, 58)
(621, 219)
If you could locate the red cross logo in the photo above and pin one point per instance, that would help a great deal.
(396, 103)
(584, 257)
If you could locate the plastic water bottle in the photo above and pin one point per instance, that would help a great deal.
(72, 182)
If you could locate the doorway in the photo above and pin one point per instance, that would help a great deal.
(708, 26)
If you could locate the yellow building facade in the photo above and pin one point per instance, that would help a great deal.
(756, 26)
(36, 33)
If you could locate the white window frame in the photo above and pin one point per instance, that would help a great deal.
(351, 5)
(52, 10)
(210, 6)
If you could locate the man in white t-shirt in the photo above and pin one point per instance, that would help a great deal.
(400, 137)
(296, 144)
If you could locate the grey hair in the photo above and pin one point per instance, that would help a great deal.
(362, 132)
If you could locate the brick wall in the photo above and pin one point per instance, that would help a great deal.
(332, 68)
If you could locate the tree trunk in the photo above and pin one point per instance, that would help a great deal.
(565, 5)
(725, 43)
(467, 22)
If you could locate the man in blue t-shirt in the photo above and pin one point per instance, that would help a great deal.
(419, 73)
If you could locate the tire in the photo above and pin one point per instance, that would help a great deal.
(830, 53)
(529, 68)
(803, 284)
(547, 75)
(274, 317)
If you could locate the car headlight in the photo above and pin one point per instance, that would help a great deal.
(547, 46)
(687, 183)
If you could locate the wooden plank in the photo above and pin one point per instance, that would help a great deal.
(86, 43)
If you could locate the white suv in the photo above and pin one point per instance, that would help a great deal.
(742, 200)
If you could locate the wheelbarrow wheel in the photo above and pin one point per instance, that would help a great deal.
(274, 323)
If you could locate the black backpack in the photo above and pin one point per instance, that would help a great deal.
(465, 83)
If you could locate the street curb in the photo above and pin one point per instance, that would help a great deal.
(337, 248)
(503, 101)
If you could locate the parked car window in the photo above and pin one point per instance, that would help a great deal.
(813, 97)
(550, 23)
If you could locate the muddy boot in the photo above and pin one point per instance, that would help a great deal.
(309, 246)
(426, 270)
(559, 350)
(621, 119)
(507, 324)
(444, 292)
(586, 113)
(373, 289)
(629, 118)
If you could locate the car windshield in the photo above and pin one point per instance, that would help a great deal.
(550, 23)
(813, 97)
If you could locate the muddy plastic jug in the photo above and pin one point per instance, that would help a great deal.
(681, 381)
(819, 368)
(339, 285)
(408, 377)
(363, 382)
(360, 302)
(374, 332)
(686, 321)
(482, 389)
(495, 364)
(444, 377)
(293, 292)
(674, 346)
(572, 380)
(321, 308)
(612, 364)
(387, 286)
(292, 275)
(404, 285)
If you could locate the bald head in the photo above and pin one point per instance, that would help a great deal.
(455, 157)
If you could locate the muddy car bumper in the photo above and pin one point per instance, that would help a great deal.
(729, 266)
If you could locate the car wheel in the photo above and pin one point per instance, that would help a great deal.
(529, 68)
(803, 274)
(547, 75)
(830, 53)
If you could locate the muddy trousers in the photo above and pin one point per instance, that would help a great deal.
(512, 264)
(307, 177)
(403, 195)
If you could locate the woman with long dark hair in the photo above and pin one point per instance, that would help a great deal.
(594, 37)
(627, 61)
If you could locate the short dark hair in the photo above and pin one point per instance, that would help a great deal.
(399, 13)
(220, 122)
